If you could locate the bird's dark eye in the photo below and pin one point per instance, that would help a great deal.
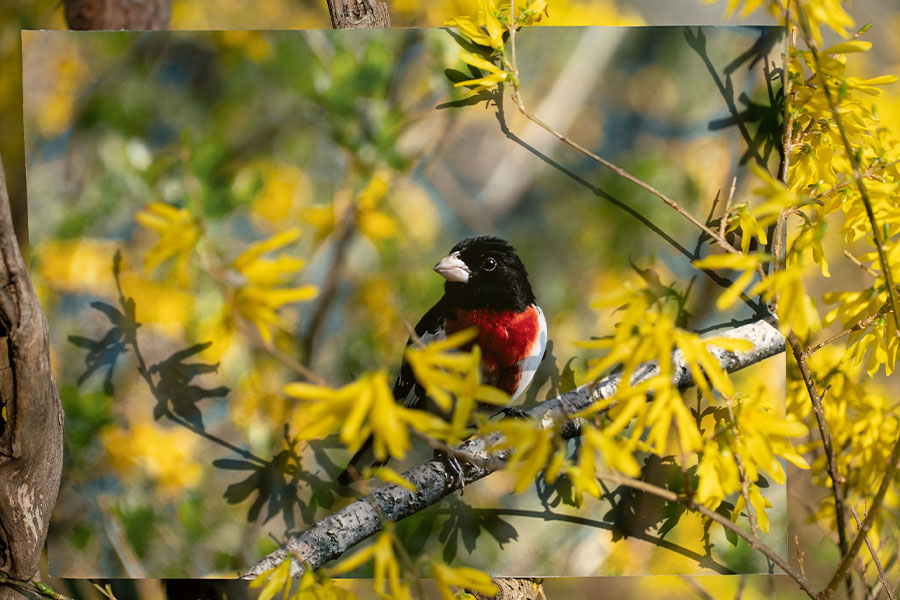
(489, 264)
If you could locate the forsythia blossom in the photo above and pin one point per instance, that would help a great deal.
(261, 294)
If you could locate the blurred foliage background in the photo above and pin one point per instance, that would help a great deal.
(188, 15)
(279, 198)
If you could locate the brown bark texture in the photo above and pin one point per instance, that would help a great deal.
(118, 14)
(512, 588)
(358, 14)
(31, 431)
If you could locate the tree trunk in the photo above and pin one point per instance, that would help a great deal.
(118, 14)
(31, 430)
(358, 14)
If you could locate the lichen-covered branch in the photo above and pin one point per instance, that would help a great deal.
(31, 432)
(335, 534)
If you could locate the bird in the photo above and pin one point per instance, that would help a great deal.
(486, 288)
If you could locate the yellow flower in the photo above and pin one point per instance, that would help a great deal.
(746, 263)
(255, 44)
(462, 577)
(373, 223)
(796, 309)
(259, 297)
(77, 266)
(284, 187)
(815, 12)
(717, 475)
(486, 28)
(163, 454)
(479, 84)
(760, 504)
(84, 266)
(387, 569)
(453, 379)
(273, 581)
(363, 407)
(178, 232)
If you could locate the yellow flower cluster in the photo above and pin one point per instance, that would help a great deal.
(453, 379)
(387, 569)
(664, 424)
(489, 30)
(388, 583)
(165, 455)
(367, 407)
(178, 233)
(312, 586)
(359, 409)
(863, 422)
(822, 167)
(747, 428)
(816, 13)
(261, 292)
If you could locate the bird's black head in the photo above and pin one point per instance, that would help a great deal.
(485, 272)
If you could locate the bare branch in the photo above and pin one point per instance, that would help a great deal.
(876, 560)
(825, 434)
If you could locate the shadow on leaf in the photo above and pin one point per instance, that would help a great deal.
(276, 483)
(176, 392)
(467, 525)
(104, 353)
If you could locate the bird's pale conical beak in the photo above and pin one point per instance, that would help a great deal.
(452, 268)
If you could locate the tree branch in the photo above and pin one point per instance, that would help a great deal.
(335, 534)
(831, 461)
(881, 576)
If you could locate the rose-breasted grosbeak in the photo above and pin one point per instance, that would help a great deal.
(487, 288)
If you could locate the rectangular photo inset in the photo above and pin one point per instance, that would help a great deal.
(234, 235)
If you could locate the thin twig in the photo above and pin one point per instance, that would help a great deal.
(860, 264)
(724, 222)
(754, 541)
(779, 245)
(800, 554)
(106, 590)
(277, 353)
(697, 589)
(626, 175)
(512, 39)
(329, 287)
(876, 560)
(825, 434)
(862, 324)
(867, 174)
(742, 473)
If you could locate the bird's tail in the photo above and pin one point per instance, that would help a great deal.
(364, 457)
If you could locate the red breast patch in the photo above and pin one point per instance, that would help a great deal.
(505, 338)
